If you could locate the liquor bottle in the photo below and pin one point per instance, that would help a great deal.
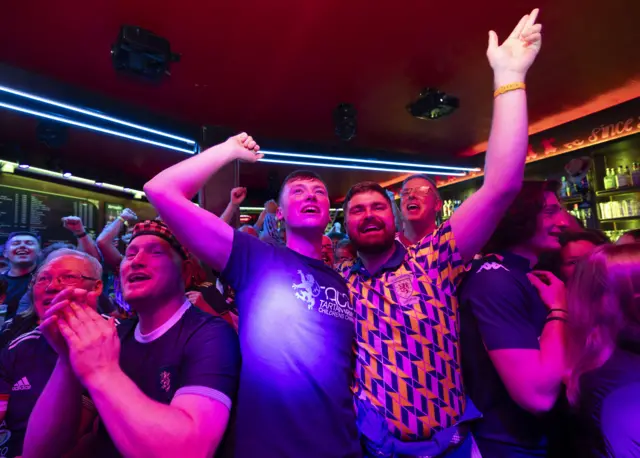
(609, 179)
(635, 174)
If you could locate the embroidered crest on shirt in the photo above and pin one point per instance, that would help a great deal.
(403, 287)
(307, 290)
(491, 266)
(165, 381)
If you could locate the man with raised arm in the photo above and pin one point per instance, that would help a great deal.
(411, 400)
(297, 327)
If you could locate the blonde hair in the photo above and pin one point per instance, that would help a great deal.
(603, 301)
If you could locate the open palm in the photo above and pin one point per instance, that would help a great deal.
(519, 50)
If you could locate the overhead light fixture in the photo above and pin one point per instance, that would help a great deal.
(23, 166)
(54, 110)
(362, 167)
(370, 161)
(92, 127)
(9, 167)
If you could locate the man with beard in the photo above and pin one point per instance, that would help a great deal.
(22, 250)
(409, 389)
(163, 383)
(296, 330)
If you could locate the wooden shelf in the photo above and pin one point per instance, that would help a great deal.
(618, 191)
(572, 200)
(624, 218)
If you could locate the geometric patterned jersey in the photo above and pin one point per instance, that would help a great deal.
(407, 355)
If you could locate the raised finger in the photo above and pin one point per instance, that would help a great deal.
(48, 323)
(57, 309)
(62, 295)
(535, 38)
(531, 30)
(535, 281)
(532, 18)
(520, 27)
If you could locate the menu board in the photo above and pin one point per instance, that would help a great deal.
(42, 213)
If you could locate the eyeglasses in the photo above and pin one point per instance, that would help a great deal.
(419, 191)
(69, 279)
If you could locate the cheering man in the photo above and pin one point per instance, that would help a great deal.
(410, 393)
(162, 383)
(296, 329)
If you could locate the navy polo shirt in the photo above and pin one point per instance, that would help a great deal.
(500, 309)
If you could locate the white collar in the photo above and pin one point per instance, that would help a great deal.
(161, 330)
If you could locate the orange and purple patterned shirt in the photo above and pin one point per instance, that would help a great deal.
(407, 331)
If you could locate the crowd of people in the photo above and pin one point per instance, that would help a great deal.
(397, 338)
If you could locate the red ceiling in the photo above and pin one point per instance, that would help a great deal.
(277, 69)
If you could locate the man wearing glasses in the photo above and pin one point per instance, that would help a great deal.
(420, 203)
(28, 361)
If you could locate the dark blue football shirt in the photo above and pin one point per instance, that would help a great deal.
(296, 335)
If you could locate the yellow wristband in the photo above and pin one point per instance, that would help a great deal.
(509, 87)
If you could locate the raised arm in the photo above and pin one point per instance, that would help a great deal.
(206, 235)
(85, 242)
(110, 253)
(233, 207)
(476, 219)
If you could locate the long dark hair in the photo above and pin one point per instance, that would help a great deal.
(603, 300)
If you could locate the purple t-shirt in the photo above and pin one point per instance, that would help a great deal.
(296, 336)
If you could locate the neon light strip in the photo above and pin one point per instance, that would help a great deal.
(91, 127)
(368, 161)
(361, 167)
(94, 114)
(259, 209)
(49, 173)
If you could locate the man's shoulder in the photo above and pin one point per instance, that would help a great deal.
(488, 271)
(196, 321)
(26, 340)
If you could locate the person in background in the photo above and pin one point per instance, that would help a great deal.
(85, 241)
(345, 251)
(4, 262)
(232, 211)
(28, 361)
(603, 350)
(632, 236)
(511, 342)
(3, 296)
(420, 204)
(297, 322)
(577, 246)
(174, 366)
(23, 251)
(328, 255)
(336, 237)
(270, 208)
(271, 231)
(410, 396)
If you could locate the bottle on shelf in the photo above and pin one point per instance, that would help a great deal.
(609, 179)
(635, 174)
(622, 177)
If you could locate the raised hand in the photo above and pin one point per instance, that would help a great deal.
(519, 50)
(73, 223)
(128, 215)
(243, 147)
(238, 195)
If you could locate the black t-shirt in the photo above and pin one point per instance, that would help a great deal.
(609, 405)
(25, 367)
(192, 353)
(17, 287)
(297, 332)
(500, 309)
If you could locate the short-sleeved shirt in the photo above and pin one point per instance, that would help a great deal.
(500, 309)
(408, 362)
(296, 334)
(609, 405)
(192, 353)
(25, 367)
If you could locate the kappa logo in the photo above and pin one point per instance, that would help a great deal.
(22, 385)
(307, 290)
(491, 266)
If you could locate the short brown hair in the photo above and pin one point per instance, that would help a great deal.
(521, 219)
(360, 188)
(305, 175)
